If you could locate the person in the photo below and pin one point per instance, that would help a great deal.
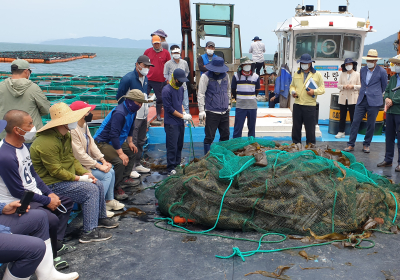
(25, 242)
(213, 97)
(245, 86)
(373, 84)
(392, 101)
(54, 162)
(272, 78)
(304, 107)
(207, 57)
(257, 49)
(174, 116)
(273, 97)
(282, 85)
(158, 56)
(349, 85)
(87, 153)
(17, 175)
(114, 137)
(162, 36)
(137, 80)
(18, 92)
(169, 68)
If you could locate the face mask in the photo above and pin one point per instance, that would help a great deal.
(370, 65)
(210, 52)
(89, 117)
(144, 71)
(247, 68)
(72, 126)
(396, 69)
(29, 134)
(304, 67)
(176, 56)
(178, 83)
(349, 67)
(132, 106)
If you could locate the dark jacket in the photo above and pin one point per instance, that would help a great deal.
(130, 81)
(172, 101)
(375, 88)
(394, 96)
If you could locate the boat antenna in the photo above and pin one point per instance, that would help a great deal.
(348, 3)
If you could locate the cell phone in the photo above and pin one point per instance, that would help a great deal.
(25, 201)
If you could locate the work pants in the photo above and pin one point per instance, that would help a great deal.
(343, 114)
(240, 117)
(271, 104)
(157, 87)
(392, 132)
(259, 65)
(174, 144)
(214, 121)
(139, 139)
(283, 101)
(304, 115)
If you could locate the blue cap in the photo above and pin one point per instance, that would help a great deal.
(217, 64)
(256, 38)
(3, 124)
(305, 58)
(180, 75)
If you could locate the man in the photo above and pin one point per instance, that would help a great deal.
(373, 84)
(18, 92)
(245, 87)
(257, 49)
(158, 56)
(213, 97)
(137, 80)
(114, 137)
(392, 101)
(206, 58)
(174, 116)
(17, 175)
(307, 83)
(175, 63)
(54, 162)
(162, 36)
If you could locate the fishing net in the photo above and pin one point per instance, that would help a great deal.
(278, 188)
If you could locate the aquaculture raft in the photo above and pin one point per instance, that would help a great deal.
(43, 57)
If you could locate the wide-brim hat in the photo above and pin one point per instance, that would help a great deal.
(62, 114)
(217, 65)
(3, 125)
(395, 59)
(245, 60)
(348, 60)
(372, 55)
(159, 32)
(305, 58)
(136, 95)
(256, 38)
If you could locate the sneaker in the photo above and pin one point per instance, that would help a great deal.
(340, 135)
(109, 214)
(119, 194)
(142, 169)
(134, 175)
(130, 182)
(107, 223)
(171, 173)
(95, 235)
(114, 205)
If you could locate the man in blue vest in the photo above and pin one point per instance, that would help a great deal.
(206, 58)
(213, 97)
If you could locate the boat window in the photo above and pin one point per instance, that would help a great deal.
(220, 42)
(214, 12)
(351, 46)
(328, 46)
(238, 49)
(217, 30)
(305, 44)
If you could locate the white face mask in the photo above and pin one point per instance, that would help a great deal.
(349, 67)
(370, 65)
(210, 52)
(396, 69)
(176, 56)
(29, 134)
(304, 66)
(72, 126)
(247, 68)
(144, 71)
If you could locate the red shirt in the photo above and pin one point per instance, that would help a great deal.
(158, 59)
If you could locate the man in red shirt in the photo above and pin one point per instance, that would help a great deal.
(156, 80)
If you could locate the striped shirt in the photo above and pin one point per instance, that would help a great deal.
(246, 90)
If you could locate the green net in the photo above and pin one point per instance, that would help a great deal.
(287, 191)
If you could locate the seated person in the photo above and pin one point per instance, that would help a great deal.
(54, 162)
(86, 151)
(17, 175)
(114, 137)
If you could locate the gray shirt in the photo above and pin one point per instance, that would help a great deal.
(170, 67)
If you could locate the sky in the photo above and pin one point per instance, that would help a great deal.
(34, 21)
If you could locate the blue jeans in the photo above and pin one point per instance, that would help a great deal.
(359, 114)
(240, 117)
(108, 181)
(185, 102)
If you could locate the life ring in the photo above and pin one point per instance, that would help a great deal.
(326, 43)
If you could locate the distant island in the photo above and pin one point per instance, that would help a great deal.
(384, 47)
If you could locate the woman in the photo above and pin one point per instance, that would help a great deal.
(349, 85)
(87, 153)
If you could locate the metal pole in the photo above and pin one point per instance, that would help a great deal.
(319, 5)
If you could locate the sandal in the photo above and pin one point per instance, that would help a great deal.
(65, 249)
(59, 264)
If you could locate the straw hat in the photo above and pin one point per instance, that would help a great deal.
(62, 114)
(395, 59)
(372, 55)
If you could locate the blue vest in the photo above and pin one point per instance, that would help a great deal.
(206, 60)
(216, 96)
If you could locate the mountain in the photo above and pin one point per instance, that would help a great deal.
(384, 47)
(101, 42)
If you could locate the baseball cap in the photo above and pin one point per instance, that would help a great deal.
(77, 105)
(145, 60)
(210, 43)
(20, 64)
(180, 75)
(155, 39)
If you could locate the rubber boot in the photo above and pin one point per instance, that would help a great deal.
(158, 110)
(206, 148)
(9, 276)
(46, 269)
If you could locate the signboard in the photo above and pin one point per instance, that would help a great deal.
(330, 73)
(326, 68)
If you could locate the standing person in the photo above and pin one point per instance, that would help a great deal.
(137, 79)
(245, 86)
(304, 107)
(282, 85)
(257, 49)
(349, 85)
(174, 116)
(373, 84)
(213, 97)
(87, 153)
(174, 63)
(162, 36)
(207, 57)
(18, 92)
(392, 101)
(158, 57)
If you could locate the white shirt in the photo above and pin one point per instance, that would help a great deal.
(257, 49)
